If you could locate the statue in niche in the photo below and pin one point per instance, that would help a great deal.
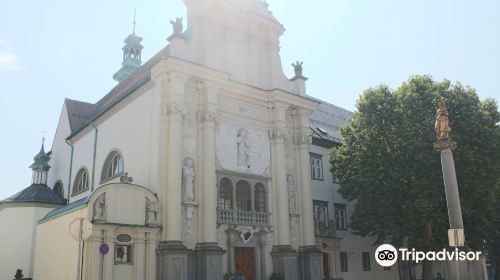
(151, 212)
(243, 149)
(442, 126)
(292, 205)
(188, 174)
(177, 25)
(99, 208)
(297, 68)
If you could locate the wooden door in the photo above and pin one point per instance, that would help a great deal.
(244, 261)
(326, 266)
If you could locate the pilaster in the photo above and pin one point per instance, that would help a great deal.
(283, 255)
(208, 254)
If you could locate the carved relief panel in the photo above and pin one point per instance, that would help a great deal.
(242, 149)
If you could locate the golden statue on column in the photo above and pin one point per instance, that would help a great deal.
(442, 126)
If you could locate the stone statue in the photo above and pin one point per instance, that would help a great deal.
(125, 179)
(442, 126)
(151, 212)
(188, 180)
(243, 149)
(292, 206)
(19, 274)
(297, 67)
(99, 208)
(177, 25)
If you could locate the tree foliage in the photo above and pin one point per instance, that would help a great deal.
(389, 166)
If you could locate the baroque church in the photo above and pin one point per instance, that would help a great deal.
(203, 163)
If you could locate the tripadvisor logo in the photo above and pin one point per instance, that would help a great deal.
(386, 255)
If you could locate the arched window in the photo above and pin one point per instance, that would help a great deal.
(113, 166)
(243, 196)
(260, 198)
(225, 194)
(58, 189)
(81, 181)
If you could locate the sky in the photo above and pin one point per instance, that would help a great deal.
(53, 49)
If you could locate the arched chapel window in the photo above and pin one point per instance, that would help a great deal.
(81, 181)
(113, 166)
(225, 194)
(260, 198)
(58, 189)
(243, 196)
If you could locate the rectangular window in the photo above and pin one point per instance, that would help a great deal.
(344, 266)
(123, 254)
(366, 261)
(320, 212)
(316, 166)
(340, 217)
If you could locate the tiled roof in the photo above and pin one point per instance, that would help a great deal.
(81, 113)
(36, 193)
(78, 112)
(75, 205)
(326, 121)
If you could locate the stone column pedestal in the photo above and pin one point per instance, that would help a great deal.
(208, 261)
(173, 261)
(310, 263)
(285, 261)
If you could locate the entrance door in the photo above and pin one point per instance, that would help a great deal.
(326, 266)
(244, 261)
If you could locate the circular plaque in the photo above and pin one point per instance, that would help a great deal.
(104, 248)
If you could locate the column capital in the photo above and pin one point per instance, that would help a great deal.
(444, 144)
(173, 110)
(277, 133)
(207, 117)
(303, 139)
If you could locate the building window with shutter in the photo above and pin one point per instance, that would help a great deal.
(340, 216)
(316, 167)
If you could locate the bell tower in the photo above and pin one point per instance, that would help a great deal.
(131, 56)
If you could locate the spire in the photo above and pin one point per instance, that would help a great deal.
(131, 55)
(41, 166)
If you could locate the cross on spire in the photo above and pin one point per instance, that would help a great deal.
(43, 131)
(135, 13)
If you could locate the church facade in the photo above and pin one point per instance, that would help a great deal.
(204, 162)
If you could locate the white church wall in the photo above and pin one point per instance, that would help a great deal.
(128, 129)
(17, 238)
(61, 153)
(56, 251)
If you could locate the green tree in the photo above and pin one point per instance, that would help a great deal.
(389, 166)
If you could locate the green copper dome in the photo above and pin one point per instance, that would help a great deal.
(41, 160)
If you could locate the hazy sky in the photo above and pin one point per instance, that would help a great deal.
(54, 49)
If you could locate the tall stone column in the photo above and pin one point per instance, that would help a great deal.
(284, 256)
(208, 253)
(445, 147)
(310, 256)
(172, 254)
